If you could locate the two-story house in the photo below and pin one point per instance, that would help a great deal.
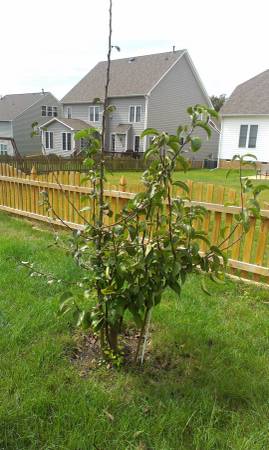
(17, 114)
(146, 91)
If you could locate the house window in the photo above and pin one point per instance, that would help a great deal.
(136, 143)
(49, 140)
(252, 139)
(3, 149)
(66, 141)
(94, 113)
(243, 136)
(131, 113)
(138, 114)
(69, 112)
(135, 114)
(248, 133)
(49, 111)
(113, 142)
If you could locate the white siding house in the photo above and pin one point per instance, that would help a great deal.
(245, 121)
(230, 137)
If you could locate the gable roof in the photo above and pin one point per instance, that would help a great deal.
(13, 105)
(129, 77)
(73, 124)
(250, 97)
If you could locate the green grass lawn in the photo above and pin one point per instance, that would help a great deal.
(215, 176)
(205, 387)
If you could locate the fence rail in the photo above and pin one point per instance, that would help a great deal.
(21, 194)
(115, 161)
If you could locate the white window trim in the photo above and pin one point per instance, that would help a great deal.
(53, 107)
(248, 133)
(49, 133)
(94, 113)
(69, 108)
(136, 135)
(66, 141)
(135, 113)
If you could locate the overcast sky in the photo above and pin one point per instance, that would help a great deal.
(52, 44)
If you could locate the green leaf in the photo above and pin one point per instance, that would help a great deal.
(173, 283)
(182, 185)
(150, 131)
(196, 144)
(249, 155)
(258, 189)
(150, 151)
(205, 126)
(204, 287)
(217, 277)
(148, 249)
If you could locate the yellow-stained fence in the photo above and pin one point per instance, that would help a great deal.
(21, 194)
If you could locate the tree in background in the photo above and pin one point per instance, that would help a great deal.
(218, 101)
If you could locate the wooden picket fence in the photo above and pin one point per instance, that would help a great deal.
(20, 194)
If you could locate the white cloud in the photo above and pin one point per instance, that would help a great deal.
(52, 44)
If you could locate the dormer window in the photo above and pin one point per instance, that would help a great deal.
(135, 114)
(94, 113)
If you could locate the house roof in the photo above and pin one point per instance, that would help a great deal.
(73, 124)
(13, 105)
(129, 77)
(250, 97)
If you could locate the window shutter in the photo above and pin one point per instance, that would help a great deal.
(64, 141)
(47, 139)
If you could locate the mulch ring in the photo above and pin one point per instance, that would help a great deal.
(87, 355)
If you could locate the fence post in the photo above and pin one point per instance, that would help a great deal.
(123, 184)
(33, 173)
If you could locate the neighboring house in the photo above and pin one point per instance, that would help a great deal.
(57, 136)
(245, 121)
(17, 114)
(147, 91)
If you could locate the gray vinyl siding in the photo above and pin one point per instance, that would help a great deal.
(5, 129)
(81, 111)
(22, 126)
(57, 129)
(121, 116)
(169, 100)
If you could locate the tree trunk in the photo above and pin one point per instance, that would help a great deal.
(113, 338)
